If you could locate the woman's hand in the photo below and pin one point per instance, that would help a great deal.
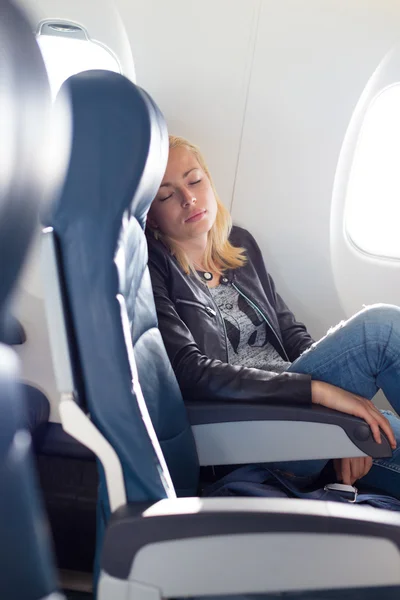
(334, 397)
(349, 470)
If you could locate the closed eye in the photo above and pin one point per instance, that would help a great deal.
(194, 182)
(166, 198)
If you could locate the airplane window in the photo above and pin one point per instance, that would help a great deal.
(68, 50)
(372, 212)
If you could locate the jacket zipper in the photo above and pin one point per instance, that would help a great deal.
(208, 309)
(223, 324)
(263, 316)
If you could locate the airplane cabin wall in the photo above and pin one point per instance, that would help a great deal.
(312, 62)
(99, 17)
(267, 90)
(195, 58)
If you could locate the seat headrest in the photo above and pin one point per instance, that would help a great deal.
(118, 156)
(25, 105)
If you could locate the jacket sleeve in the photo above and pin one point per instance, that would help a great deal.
(204, 378)
(295, 336)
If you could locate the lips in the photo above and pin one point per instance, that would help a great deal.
(196, 216)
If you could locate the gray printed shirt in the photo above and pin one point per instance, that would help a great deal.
(246, 331)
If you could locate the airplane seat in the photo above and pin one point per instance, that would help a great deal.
(99, 297)
(100, 375)
(131, 146)
(54, 441)
(48, 438)
(11, 331)
(69, 481)
(26, 566)
(38, 413)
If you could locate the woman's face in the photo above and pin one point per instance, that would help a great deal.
(185, 206)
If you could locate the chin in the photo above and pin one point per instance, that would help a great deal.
(204, 226)
(199, 231)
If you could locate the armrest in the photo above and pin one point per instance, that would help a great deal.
(192, 546)
(248, 432)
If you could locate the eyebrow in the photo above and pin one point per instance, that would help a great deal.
(184, 175)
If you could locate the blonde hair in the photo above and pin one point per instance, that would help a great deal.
(219, 254)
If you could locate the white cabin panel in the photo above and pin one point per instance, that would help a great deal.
(311, 64)
(194, 59)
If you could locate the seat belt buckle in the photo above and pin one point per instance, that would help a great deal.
(344, 490)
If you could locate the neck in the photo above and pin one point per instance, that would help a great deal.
(195, 249)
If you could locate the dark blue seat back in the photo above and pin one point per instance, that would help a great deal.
(26, 567)
(118, 157)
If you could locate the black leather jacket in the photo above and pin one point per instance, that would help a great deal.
(194, 333)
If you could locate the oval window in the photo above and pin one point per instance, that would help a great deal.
(372, 210)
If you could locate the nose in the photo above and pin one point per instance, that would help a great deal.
(187, 197)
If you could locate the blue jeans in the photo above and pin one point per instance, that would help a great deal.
(360, 355)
